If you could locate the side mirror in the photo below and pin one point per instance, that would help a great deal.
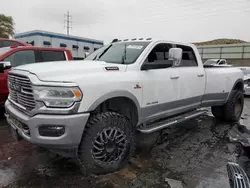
(4, 66)
(157, 64)
(175, 54)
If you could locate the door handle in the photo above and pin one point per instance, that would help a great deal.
(174, 77)
(200, 75)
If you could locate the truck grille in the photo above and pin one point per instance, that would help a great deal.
(20, 91)
(237, 176)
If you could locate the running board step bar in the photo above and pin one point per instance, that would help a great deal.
(149, 128)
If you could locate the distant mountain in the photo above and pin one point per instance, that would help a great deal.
(220, 41)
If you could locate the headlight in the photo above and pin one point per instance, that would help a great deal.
(57, 96)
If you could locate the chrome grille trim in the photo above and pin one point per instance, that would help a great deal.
(20, 91)
(237, 176)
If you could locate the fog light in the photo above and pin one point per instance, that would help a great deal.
(51, 130)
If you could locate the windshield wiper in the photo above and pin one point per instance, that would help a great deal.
(124, 56)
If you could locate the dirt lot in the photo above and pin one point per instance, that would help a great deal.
(195, 153)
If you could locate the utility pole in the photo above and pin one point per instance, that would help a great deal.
(68, 21)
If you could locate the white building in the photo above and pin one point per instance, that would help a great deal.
(79, 46)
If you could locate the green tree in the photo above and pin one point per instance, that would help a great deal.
(6, 26)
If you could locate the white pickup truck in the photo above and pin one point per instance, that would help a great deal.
(92, 109)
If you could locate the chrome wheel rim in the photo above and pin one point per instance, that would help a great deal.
(109, 145)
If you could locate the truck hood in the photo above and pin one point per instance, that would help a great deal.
(67, 71)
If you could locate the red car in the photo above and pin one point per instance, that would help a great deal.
(10, 42)
(21, 55)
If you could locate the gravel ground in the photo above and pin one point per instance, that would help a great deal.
(194, 153)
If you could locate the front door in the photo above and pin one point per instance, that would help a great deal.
(160, 86)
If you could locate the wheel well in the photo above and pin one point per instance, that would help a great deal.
(122, 105)
(239, 86)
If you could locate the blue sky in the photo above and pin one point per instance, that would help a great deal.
(181, 20)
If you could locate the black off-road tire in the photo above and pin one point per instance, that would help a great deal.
(232, 110)
(98, 141)
(229, 109)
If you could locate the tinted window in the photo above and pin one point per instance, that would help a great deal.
(13, 43)
(53, 56)
(222, 63)
(5, 43)
(188, 56)
(21, 58)
(160, 54)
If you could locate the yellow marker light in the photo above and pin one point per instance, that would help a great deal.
(77, 93)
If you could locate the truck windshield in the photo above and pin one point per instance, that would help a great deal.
(120, 53)
(4, 50)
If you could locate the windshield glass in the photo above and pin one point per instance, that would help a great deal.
(120, 53)
(245, 70)
(4, 50)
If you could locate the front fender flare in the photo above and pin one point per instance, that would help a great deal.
(113, 94)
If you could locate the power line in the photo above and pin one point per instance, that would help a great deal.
(68, 22)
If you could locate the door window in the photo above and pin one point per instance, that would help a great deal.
(188, 56)
(21, 58)
(48, 55)
(160, 54)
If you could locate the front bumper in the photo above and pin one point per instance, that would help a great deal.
(74, 127)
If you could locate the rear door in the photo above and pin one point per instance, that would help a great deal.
(192, 79)
(50, 55)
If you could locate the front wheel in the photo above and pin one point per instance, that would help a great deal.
(107, 143)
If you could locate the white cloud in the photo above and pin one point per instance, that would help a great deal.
(195, 20)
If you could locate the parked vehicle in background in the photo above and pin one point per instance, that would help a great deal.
(92, 110)
(216, 62)
(10, 42)
(22, 55)
(246, 72)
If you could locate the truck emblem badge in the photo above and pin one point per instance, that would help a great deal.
(137, 86)
(14, 87)
(238, 176)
